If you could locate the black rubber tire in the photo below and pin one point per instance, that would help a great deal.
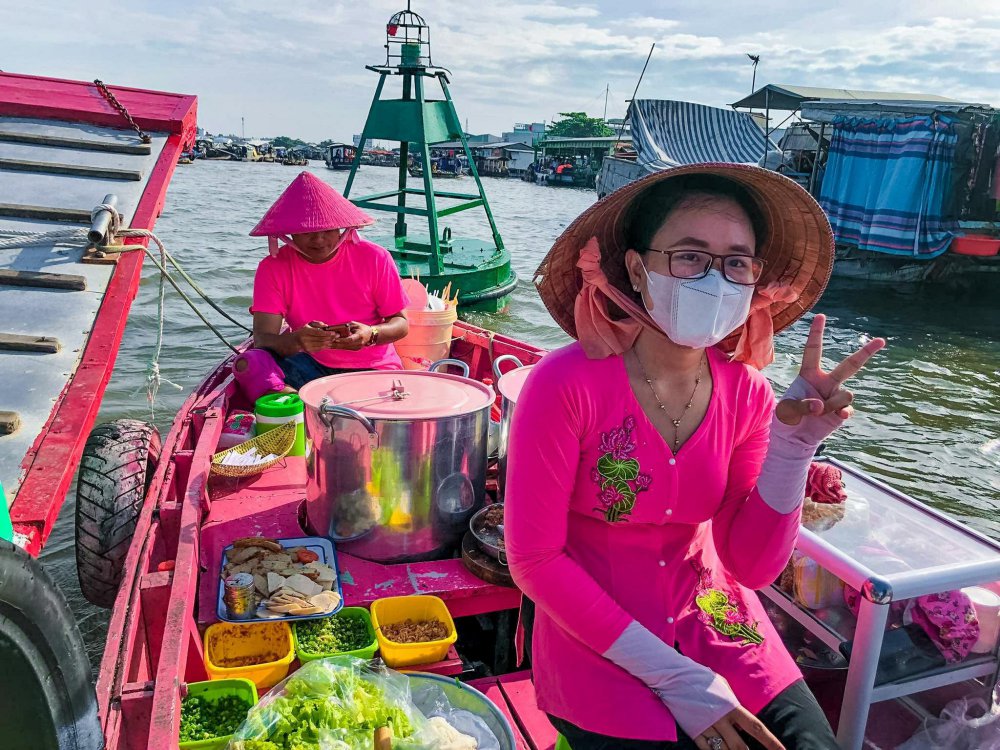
(118, 463)
(53, 703)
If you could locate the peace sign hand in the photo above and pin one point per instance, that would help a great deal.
(816, 393)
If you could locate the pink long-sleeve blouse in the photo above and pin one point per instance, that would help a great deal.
(605, 525)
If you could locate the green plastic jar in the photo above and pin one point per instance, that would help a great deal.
(276, 409)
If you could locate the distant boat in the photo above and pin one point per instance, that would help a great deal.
(340, 156)
(418, 171)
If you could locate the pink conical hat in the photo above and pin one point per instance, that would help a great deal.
(310, 205)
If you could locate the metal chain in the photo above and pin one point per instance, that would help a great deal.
(113, 101)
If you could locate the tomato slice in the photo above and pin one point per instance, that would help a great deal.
(307, 556)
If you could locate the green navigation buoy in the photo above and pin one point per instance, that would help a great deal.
(479, 270)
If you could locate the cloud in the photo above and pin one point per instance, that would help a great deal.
(298, 68)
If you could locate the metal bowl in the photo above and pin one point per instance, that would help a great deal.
(488, 540)
(464, 698)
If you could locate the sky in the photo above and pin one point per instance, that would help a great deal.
(296, 67)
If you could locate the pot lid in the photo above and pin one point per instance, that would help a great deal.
(428, 394)
(512, 381)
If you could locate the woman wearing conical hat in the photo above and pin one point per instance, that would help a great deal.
(325, 301)
(652, 483)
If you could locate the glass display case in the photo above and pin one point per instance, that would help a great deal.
(908, 596)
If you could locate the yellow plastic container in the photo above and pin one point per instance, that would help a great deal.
(395, 609)
(268, 642)
(429, 338)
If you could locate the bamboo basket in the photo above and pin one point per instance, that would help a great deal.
(278, 441)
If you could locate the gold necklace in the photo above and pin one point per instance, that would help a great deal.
(676, 422)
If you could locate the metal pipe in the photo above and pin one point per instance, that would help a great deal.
(861, 675)
(102, 219)
(819, 148)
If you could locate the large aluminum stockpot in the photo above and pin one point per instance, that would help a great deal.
(398, 464)
(509, 385)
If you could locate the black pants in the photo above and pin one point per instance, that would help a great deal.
(794, 717)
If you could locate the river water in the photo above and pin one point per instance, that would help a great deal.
(928, 418)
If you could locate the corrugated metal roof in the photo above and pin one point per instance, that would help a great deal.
(785, 97)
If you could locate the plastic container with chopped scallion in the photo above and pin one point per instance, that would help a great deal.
(350, 631)
(211, 711)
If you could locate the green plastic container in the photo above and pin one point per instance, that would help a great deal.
(214, 689)
(356, 613)
(276, 409)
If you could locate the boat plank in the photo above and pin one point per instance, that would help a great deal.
(73, 170)
(45, 213)
(77, 144)
(43, 279)
(490, 687)
(519, 692)
(10, 421)
(16, 342)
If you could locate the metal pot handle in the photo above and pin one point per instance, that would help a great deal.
(502, 557)
(504, 358)
(327, 411)
(448, 363)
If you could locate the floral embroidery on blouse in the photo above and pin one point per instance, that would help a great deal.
(617, 473)
(722, 613)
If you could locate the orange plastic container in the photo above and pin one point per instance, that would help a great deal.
(429, 338)
(979, 245)
(395, 609)
(267, 646)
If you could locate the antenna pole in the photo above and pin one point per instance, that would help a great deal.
(636, 91)
(607, 90)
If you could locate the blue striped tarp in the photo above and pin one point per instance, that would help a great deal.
(886, 184)
(668, 134)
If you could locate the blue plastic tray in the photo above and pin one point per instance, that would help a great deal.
(327, 555)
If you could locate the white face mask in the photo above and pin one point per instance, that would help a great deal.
(697, 312)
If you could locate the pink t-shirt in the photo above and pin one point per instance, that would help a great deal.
(604, 525)
(359, 283)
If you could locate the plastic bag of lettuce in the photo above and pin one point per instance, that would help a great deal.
(337, 704)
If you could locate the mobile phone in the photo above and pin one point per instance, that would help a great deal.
(341, 329)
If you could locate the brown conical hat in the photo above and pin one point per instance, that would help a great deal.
(798, 250)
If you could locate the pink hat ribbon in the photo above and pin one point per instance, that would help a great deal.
(601, 336)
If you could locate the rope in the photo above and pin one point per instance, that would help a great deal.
(165, 274)
(154, 378)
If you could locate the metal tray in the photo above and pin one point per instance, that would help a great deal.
(327, 555)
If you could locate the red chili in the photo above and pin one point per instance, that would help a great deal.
(307, 556)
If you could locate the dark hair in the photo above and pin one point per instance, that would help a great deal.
(653, 207)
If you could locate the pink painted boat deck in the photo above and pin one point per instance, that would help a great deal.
(268, 505)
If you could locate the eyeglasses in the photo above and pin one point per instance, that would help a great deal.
(695, 264)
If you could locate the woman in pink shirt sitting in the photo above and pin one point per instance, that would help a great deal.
(652, 483)
(325, 301)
